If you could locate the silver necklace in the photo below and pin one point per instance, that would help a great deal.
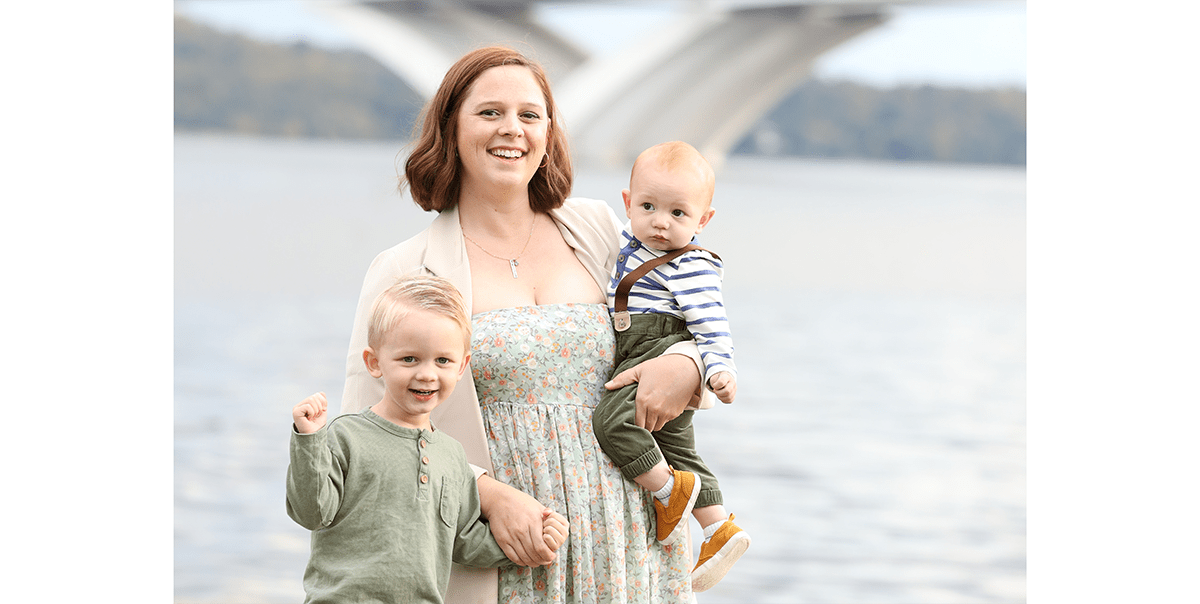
(512, 262)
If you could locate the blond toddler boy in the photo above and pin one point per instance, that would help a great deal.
(390, 499)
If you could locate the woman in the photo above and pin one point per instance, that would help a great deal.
(532, 265)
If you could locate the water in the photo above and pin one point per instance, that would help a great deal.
(876, 452)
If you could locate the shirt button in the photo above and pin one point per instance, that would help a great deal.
(633, 244)
(422, 444)
(425, 460)
(621, 258)
(424, 478)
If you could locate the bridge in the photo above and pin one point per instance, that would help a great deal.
(706, 77)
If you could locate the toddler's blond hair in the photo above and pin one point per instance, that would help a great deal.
(424, 292)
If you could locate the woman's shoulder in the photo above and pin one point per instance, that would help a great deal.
(403, 255)
(590, 227)
(577, 212)
(586, 206)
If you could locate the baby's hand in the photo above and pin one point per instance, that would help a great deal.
(554, 529)
(724, 386)
(309, 415)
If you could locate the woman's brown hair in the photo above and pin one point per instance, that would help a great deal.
(431, 172)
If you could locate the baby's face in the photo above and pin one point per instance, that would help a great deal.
(666, 209)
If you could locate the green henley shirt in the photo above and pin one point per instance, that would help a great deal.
(389, 507)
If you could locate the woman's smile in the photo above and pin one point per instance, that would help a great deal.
(508, 153)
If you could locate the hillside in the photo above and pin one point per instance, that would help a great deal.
(233, 83)
(842, 119)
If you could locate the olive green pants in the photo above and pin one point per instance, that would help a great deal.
(632, 448)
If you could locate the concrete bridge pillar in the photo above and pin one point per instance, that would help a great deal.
(705, 79)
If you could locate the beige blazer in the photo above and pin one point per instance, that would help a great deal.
(589, 226)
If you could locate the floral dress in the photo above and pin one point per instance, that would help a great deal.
(539, 372)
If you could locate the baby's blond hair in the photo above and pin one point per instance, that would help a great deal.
(424, 292)
(677, 156)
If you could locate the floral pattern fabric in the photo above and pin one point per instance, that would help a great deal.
(539, 372)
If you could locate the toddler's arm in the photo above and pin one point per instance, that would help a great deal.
(724, 385)
(314, 476)
(309, 415)
(554, 529)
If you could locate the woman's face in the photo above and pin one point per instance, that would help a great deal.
(502, 130)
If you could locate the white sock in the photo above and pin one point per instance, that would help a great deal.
(664, 494)
(711, 530)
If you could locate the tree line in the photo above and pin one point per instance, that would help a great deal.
(232, 83)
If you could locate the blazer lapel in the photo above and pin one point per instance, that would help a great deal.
(446, 257)
(446, 253)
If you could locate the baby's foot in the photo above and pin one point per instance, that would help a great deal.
(718, 554)
(678, 506)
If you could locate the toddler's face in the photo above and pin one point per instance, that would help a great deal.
(666, 209)
(420, 360)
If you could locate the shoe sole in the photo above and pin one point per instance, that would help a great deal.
(711, 573)
(676, 533)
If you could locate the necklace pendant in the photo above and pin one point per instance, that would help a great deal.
(512, 264)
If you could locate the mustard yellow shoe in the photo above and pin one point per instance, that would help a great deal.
(718, 555)
(679, 505)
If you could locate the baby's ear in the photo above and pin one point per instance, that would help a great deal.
(704, 220)
(372, 362)
(625, 195)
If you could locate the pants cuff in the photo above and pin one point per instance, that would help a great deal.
(709, 497)
(641, 464)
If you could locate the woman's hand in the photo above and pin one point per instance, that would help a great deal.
(666, 386)
(516, 522)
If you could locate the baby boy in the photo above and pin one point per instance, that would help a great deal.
(665, 290)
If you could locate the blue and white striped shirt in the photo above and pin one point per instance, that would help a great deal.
(689, 288)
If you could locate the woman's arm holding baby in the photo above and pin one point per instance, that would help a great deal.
(667, 385)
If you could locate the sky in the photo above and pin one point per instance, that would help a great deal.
(971, 43)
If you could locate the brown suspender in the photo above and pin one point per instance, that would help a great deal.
(621, 320)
